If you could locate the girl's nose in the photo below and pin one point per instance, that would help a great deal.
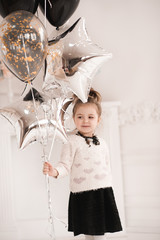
(85, 119)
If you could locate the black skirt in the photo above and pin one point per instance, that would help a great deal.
(93, 212)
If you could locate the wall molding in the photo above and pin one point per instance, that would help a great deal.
(143, 112)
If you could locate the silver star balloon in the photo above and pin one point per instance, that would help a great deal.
(76, 60)
(33, 119)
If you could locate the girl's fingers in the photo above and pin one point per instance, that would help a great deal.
(47, 167)
(47, 164)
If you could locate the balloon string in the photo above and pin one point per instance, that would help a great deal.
(49, 156)
(57, 120)
(50, 4)
(52, 235)
(47, 177)
(51, 215)
(45, 13)
(24, 89)
(47, 159)
(53, 139)
(36, 114)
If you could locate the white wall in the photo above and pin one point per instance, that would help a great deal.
(130, 30)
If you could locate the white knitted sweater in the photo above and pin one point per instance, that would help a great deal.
(89, 167)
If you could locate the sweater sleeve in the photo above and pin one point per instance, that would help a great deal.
(67, 156)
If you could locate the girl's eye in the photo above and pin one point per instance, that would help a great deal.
(79, 117)
(91, 117)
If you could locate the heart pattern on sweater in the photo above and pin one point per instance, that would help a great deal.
(88, 170)
(79, 180)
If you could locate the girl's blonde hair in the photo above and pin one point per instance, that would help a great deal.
(94, 97)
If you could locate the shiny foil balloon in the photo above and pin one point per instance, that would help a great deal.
(23, 44)
(9, 6)
(28, 117)
(80, 60)
(54, 56)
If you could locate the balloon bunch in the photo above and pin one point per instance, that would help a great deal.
(71, 61)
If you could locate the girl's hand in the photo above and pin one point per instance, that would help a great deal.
(48, 169)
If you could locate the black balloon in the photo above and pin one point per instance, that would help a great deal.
(58, 11)
(34, 93)
(9, 6)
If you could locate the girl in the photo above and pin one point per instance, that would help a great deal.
(92, 207)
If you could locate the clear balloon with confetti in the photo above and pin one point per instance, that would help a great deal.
(23, 44)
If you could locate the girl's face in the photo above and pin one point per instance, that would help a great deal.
(86, 118)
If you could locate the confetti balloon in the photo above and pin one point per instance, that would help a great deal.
(23, 44)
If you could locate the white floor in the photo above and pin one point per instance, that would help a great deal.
(130, 236)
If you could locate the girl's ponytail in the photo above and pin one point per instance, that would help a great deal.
(93, 97)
